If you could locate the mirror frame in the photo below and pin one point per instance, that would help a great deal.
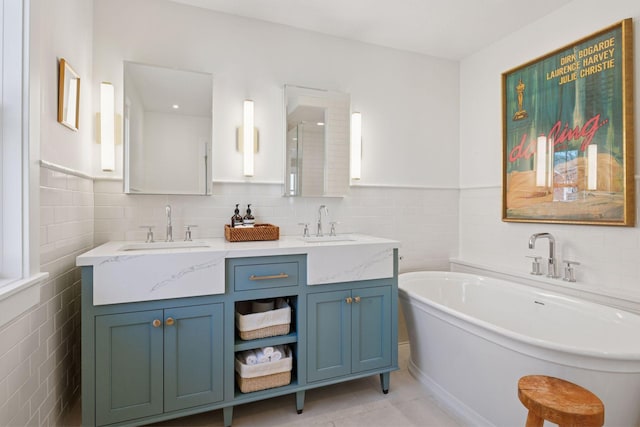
(68, 95)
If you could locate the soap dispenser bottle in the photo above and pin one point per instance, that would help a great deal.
(248, 220)
(236, 219)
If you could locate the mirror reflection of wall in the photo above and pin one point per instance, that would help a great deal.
(167, 130)
(317, 143)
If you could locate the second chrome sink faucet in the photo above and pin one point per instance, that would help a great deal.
(552, 262)
(322, 208)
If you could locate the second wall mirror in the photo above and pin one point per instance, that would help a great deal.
(317, 142)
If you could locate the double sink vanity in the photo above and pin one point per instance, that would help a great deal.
(159, 320)
(159, 339)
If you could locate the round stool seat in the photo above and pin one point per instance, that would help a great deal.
(559, 401)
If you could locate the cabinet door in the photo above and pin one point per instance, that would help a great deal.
(193, 368)
(329, 335)
(128, 366)
(371, 316)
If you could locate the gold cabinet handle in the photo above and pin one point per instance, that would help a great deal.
(357, 299)
(348, 300)
(170, 321)
(156, 323)
(274, 276)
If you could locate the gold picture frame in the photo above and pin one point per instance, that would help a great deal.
(568, 133)
(68, 95)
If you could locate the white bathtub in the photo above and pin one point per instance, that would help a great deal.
(473, 337)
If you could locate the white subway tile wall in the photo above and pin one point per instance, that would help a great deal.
(425, 221)
(608, 255)
(40, 350)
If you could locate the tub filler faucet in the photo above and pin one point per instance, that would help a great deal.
(169, 226)
(553, 265)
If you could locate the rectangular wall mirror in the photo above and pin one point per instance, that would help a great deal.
(317, 142)
(168, 127)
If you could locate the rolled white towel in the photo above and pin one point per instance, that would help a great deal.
(267, 351)
(249, 357)
(262, 358)
(277, 354)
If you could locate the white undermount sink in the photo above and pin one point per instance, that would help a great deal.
(337, 238)
(163, 245)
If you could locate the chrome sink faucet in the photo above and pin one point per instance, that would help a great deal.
(321, 209)
(169, 226)
(552, 263)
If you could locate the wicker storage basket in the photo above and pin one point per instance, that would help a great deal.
(257, 232)
(247, 385)
(264, 375)
(261, 325)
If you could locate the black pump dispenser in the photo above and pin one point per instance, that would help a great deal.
(236, 219)
(248, 218)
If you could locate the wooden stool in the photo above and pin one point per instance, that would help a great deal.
(560, 402)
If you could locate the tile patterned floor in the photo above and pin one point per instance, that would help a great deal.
(352, 404)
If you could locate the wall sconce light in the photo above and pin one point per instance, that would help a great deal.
(356, 145)
(107, 127)
(247, 138)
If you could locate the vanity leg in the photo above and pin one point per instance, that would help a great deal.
(384, 381)
(227, 412)
(299, 401)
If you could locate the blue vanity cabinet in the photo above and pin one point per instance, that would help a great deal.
(150, 361)
(156, 361)
(348, 331)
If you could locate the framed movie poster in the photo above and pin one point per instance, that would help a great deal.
(568, 137)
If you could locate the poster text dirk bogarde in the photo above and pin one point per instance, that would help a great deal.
(590, 60)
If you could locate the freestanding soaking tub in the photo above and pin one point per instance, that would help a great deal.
(473, 337)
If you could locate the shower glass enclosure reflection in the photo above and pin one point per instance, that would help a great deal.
(305, 160)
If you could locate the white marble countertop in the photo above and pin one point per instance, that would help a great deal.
(285, 246)
(121, 275)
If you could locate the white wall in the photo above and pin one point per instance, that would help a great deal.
(609, 255)
(409, 102)
(60, 29)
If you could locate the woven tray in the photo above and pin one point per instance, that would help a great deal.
(247, 385)
(258, 232)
